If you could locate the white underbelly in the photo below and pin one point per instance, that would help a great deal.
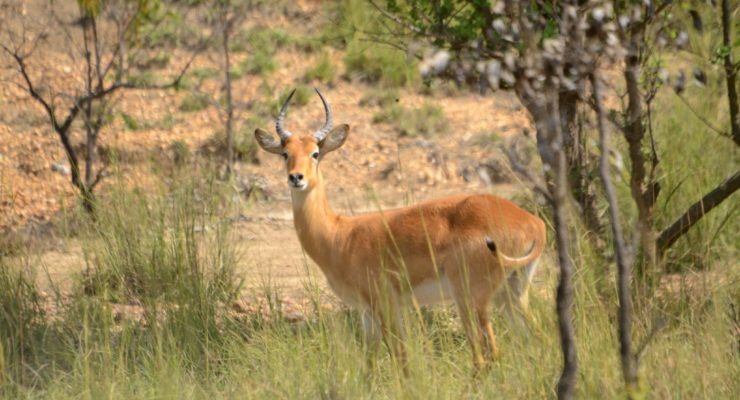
(433, 291)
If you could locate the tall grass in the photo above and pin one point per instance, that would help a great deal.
(170, 256)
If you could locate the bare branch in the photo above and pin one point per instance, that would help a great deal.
(701, 118)
(395, 18)
(522, 170)
(697, 210)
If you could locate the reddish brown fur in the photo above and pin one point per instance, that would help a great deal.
(374, 258)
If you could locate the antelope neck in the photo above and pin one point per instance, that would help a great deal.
(315, 222)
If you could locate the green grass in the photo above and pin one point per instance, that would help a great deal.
(170, 254)
(324, 71)
(695, 159)
(193, 102)
(201, 350)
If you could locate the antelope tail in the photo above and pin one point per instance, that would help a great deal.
(513, 261)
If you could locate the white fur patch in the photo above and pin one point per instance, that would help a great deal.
(433, 291)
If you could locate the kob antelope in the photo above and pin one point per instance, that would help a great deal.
(457, 248)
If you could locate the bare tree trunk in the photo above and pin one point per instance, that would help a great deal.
(545, 111)
(643, 193)
(730, 72)
(623, 258)
(576, 158)
(226, 32)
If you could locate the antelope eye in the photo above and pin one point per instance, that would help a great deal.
(315, 155)
(285, 156)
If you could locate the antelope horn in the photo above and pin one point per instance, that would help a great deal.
(321, 133)
(280, 123)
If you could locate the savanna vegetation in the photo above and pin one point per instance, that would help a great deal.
(630, 155)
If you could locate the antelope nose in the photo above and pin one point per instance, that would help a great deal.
(295, 178)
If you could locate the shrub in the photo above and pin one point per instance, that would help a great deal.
(245, 148)
(258, 63)
(301, 97)
(365, 59)
(194, 102)
(324, 71)
(180, 153)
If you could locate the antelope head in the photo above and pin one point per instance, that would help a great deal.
(302, 153)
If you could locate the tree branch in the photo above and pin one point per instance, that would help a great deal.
(697, 210)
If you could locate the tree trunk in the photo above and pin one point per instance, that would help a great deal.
(577, 163)
(643, 193)
(730, 72)
(229, 101)
(544, 109)
(624, 260)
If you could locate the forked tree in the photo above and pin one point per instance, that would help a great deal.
(461, 248)
(105, 44)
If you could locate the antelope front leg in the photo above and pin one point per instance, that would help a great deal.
(387, 314)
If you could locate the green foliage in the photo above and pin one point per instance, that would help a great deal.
(429, 120)
(324, 71)
(194, 102)
(374, 63)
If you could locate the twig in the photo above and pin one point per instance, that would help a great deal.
(701, 118)
(657, 326)
(395, 18)
(522, 170)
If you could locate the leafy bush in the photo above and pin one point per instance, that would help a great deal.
(428, 120)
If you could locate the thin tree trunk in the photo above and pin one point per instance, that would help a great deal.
(581, 186)
(229, 101)
(624, 260)
(644, 198)
(544, 109)
(730, 72)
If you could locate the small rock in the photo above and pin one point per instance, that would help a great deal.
(60, 168)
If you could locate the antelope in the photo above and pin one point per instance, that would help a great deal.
(455, 248)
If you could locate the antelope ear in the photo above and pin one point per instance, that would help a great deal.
(334, 139)
(267, 141)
